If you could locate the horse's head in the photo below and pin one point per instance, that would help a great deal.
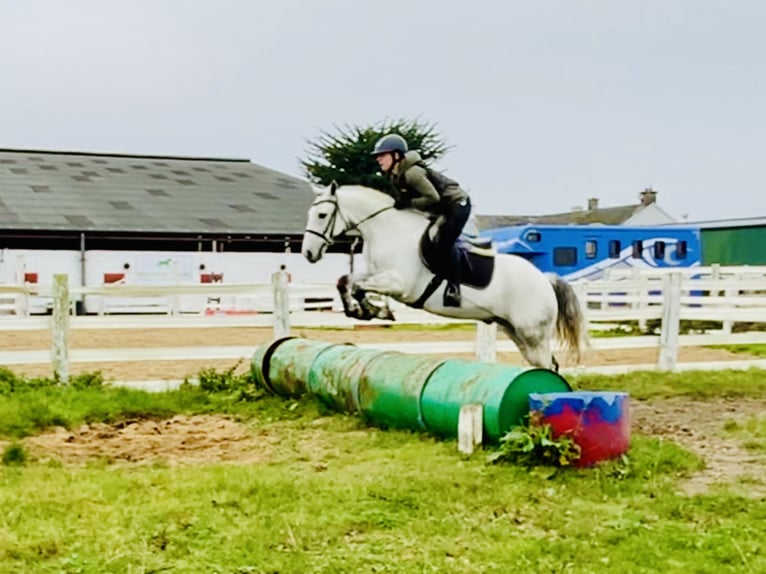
(323, 224)
(336, 211)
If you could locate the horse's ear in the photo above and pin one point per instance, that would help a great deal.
(333, 187)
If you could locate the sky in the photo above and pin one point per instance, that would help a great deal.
(545, 103)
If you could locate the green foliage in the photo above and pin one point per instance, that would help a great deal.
(10, 382)
(87, 381)
(241, 387)
(28, 406)
(534, 444)
(14, 455)
(345, 157)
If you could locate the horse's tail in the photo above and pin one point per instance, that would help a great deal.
(571, 326)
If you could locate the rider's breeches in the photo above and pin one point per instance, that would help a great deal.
(455, 219)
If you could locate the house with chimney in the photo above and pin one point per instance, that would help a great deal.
(645, 212)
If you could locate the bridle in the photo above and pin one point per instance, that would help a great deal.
(326, 234)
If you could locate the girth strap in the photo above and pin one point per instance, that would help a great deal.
(430, 290)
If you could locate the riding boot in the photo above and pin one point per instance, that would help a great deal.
(452, 291)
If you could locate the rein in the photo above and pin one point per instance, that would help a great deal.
(349, 226)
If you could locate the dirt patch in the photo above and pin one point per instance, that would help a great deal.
(699, 427)
(181, 440)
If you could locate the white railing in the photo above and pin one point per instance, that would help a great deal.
(668, 297)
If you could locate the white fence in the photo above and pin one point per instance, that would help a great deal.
(721, 295)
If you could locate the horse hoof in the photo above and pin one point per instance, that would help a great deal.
(388, 315)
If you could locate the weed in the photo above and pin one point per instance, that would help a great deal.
(241, 386)
(14, 455)
(534, 444)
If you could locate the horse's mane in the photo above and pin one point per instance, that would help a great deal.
(366, 189)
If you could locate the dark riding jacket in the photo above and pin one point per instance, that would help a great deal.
(428, 190)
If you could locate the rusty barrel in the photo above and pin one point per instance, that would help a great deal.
(287, 373)
(400, 390)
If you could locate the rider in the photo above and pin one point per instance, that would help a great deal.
(432, 192)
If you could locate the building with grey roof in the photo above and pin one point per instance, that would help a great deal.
(645, 212)
(82, 200)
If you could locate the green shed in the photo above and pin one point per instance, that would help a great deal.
(734, 241)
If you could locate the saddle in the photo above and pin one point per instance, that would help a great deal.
(475, 256)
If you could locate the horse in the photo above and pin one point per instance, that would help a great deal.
(530, 306)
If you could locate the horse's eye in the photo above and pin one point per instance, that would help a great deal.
(322, 215)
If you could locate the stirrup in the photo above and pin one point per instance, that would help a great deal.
(452, 296)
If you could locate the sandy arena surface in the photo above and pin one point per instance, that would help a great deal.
(243, 336)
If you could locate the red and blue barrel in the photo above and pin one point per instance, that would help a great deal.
(597, 421)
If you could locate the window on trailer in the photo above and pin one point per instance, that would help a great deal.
(681, 250)
(565, 256)
(533, 236)
(638, 248)
(659, 250)
(614, 249)
(591, 249)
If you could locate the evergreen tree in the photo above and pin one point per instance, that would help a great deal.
(345, 155)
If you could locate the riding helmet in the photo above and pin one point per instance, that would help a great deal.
(390, 143)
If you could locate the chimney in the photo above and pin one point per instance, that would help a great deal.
(648, 196)
(592, 203)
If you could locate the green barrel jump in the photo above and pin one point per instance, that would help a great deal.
(391, 389)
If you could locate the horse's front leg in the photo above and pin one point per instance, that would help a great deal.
(353, 292)
(351, 306)
(386, 283)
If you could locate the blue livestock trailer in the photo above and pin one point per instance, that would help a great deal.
(587, 251)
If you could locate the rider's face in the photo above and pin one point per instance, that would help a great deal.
(385, 161)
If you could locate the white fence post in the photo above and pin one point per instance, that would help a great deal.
(22, 299)
(671, 321)
(60, 328)
(175, 298)
(470, 428)
(715, 273)
(279, 282)
(486, 342)
(639, 302)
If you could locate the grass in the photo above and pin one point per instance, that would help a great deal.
(691, 384)
(752, 433)
(336, 496)
(754, 350)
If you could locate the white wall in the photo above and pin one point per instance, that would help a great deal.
(167, 267)
(14, 263)
(651, 214)
(160, 267)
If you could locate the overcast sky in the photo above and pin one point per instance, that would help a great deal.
(546, 102)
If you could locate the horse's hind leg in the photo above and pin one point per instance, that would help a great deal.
(538, 353)
(532, 344)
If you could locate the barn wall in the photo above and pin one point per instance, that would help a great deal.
(734, 246)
